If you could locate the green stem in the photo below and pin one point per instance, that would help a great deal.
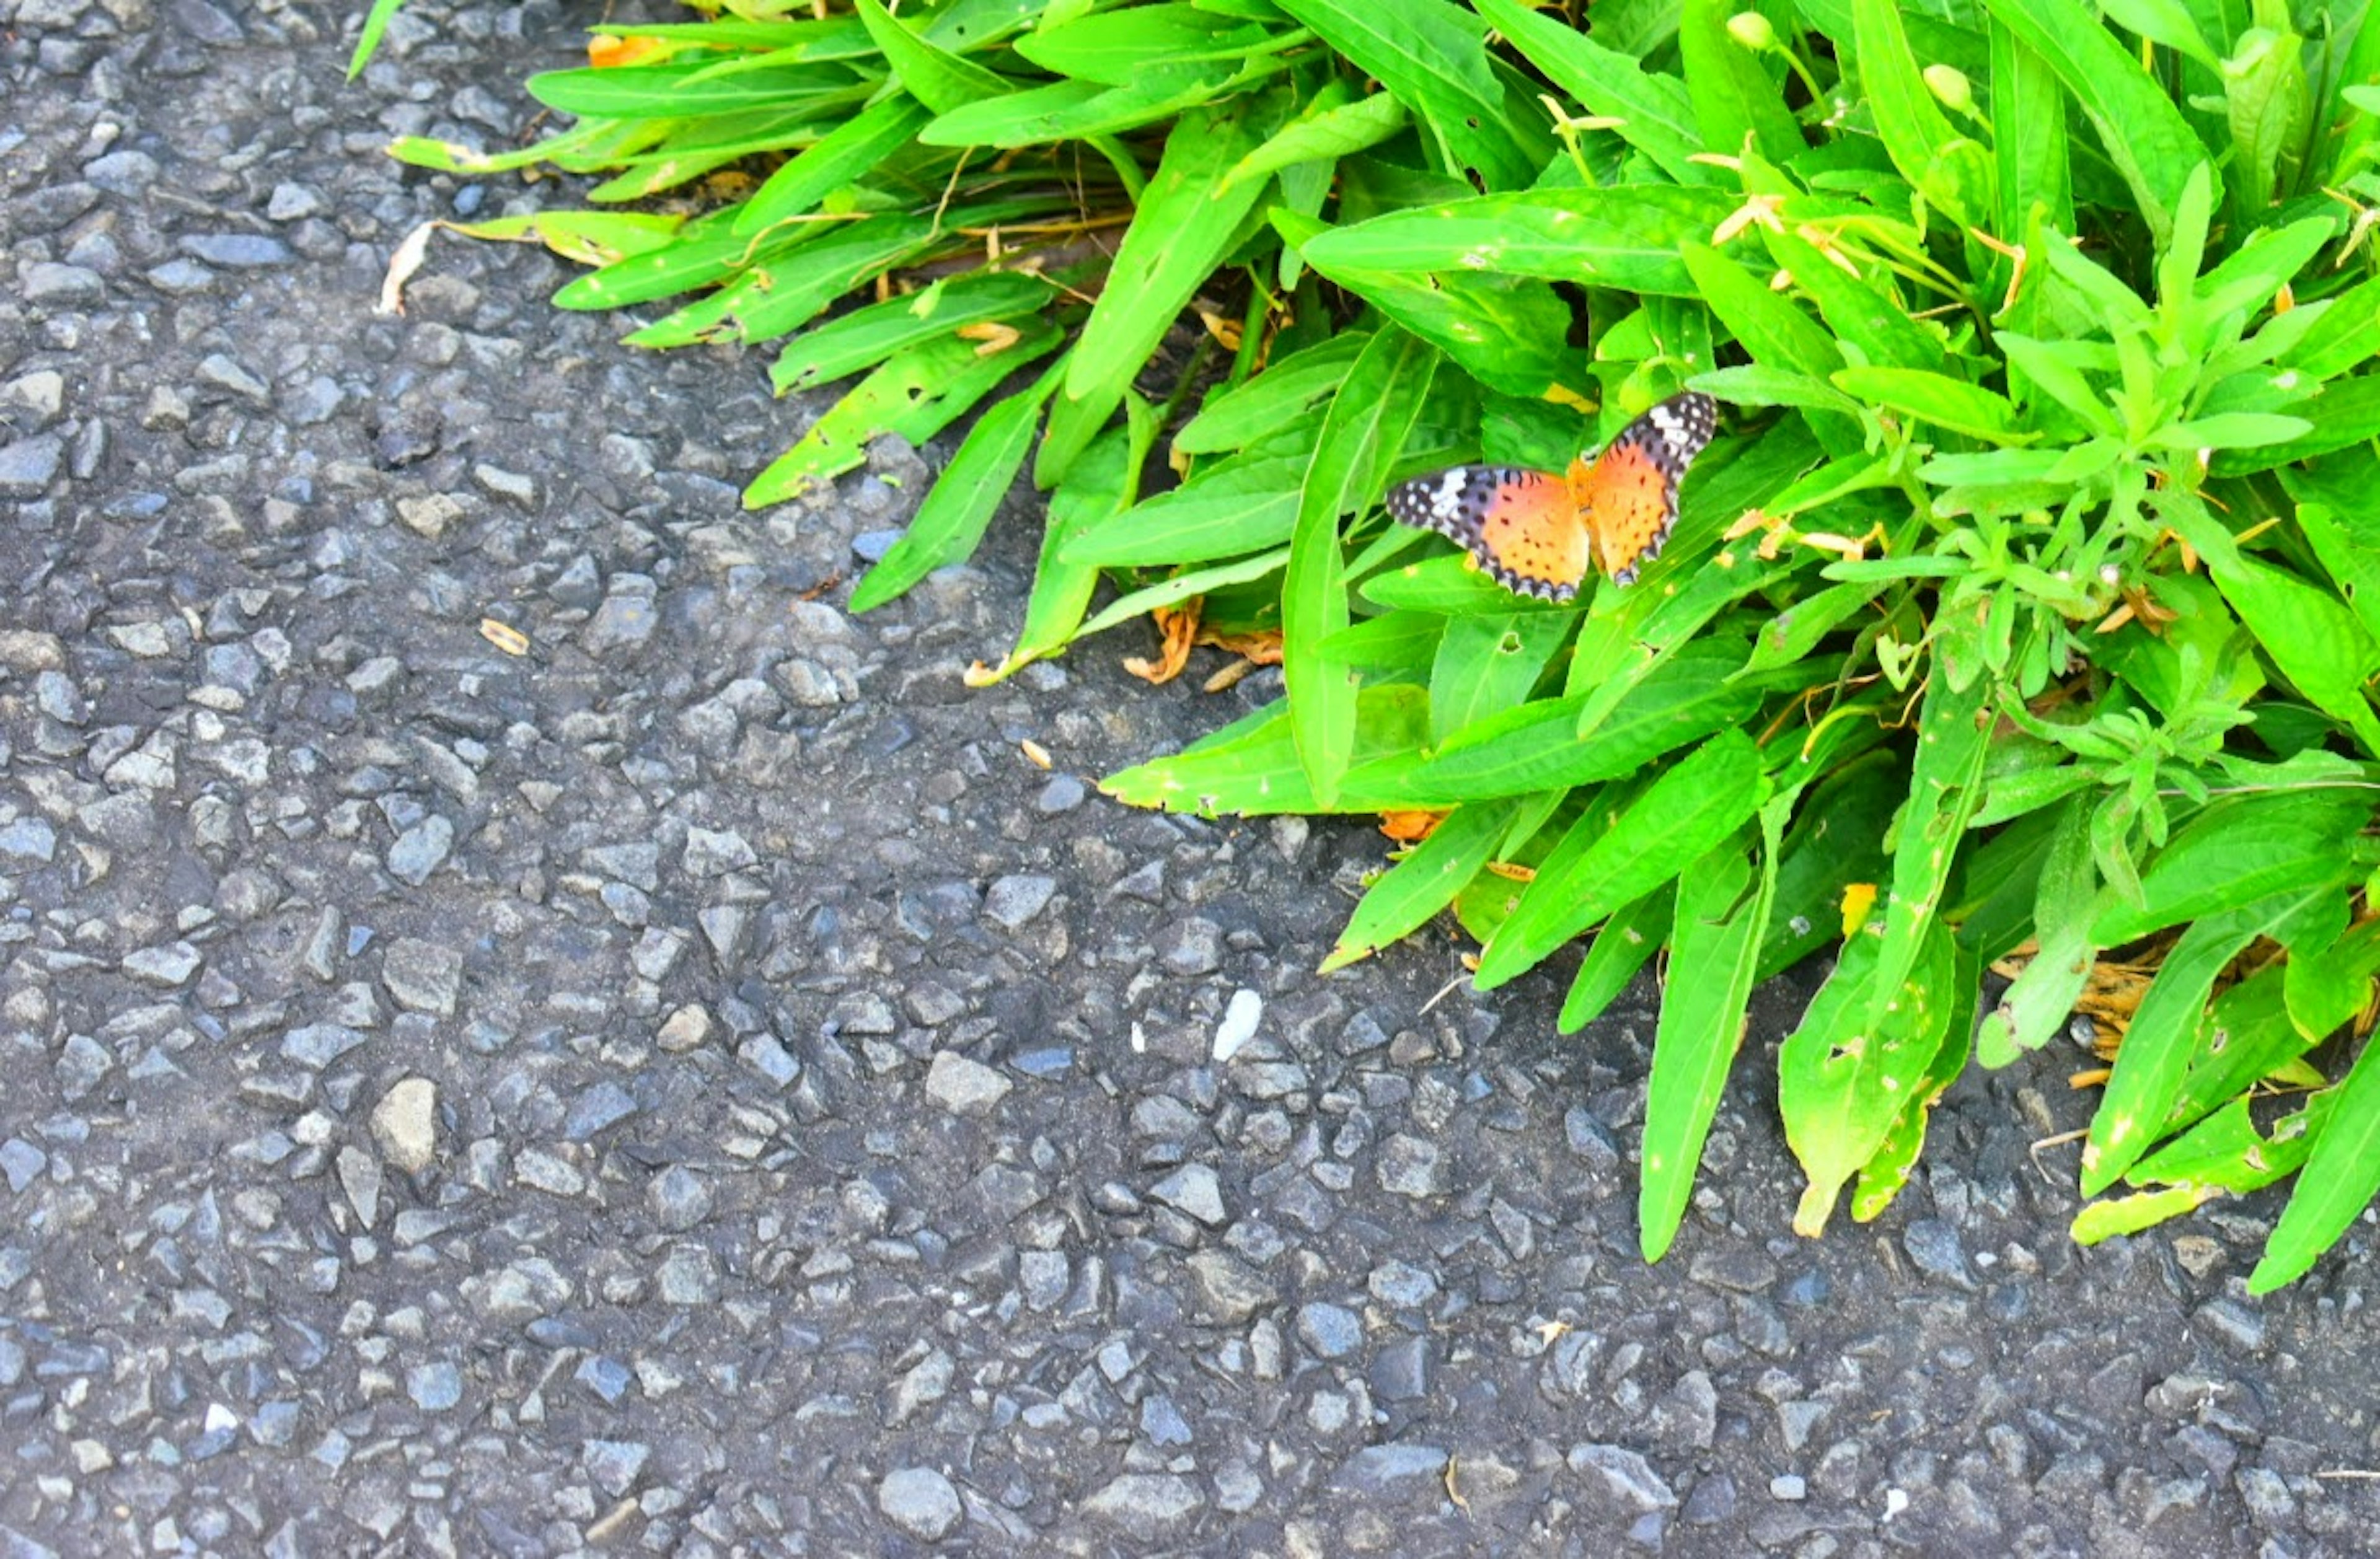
(1127, 171)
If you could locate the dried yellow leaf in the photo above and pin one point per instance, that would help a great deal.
(504, 636)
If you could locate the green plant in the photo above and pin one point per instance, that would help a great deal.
(2027, 602)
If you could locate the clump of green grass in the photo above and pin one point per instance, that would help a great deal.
(2024, 610)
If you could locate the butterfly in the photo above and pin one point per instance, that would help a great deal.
(1537, 532)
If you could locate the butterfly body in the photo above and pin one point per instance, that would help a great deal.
(1537, 533)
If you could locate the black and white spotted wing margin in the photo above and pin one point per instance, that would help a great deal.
(1522, 527)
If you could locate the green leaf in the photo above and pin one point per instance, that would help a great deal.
(2348, 335)
(1838, 839)
(2051, 365)
(2346, 414)
(1536, 747)
(2142, 1210)
(1369, 417)
(959, 505)
(939, 80)
(2324, 986)
(916, 394)
(1487, 665)
(865, 336)
(1954, 741)
(1751, 385)
(1253, 769)
(1936, 398)
(2253, 273)
(2034, 180)
(674, 152)
(1655, 111)
(1178, 236)
(2241, 850)
(1100, 484)
(1734, 100)
(2183, 249)
(1506, 332)
(1239, 416)
(1082, 110)
(2317, 643)
(2099, 290)
(2354, 125)
(1625, 944)
(1398, 641)
(2225, 1151)
(1115, 48)
(1778, 334)
(1828, 485)
(2155, 1056)
(1433, 57)
(2037, 1001)
(1715, 935)
(2163, 21)
(1637, 27)
(2339, 513)
(2269, 109)
(1239, 505)
(690, 260)
(777, 295)
(844, 153)
(1179, 588)
(2342, 1174)
(376, 22)
(2000, 468)
(2230, 430)
(1605, 863)
(1862, 311)
(1334, 132)
(1847, 1072)
(1795, 632)
(1447, 583)
(673, 90)
(2145, 136)
(596, 143)
(1625, 237)
(1883, 1176)
(1424, 882)
(781, 42)
(588, 237)
(1944, 167)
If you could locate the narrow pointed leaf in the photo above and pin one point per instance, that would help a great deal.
(2143, 133)
(2038, 1000)
(1623, 946)
(1715, 949)
(2341, 1173)
(1366, 425)
(1433, 57)
(1424, 882)
(1853, 1063)
(1953, 739)
(1655, 111)
(1604, 862)
(2155, 1056)
(959, 507)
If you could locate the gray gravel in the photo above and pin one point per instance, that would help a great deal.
(697, 1089)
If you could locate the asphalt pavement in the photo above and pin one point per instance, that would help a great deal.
(697, 1087)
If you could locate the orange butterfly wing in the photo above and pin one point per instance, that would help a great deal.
(1521, 528)
(1630, 496)
(1536, 534)
(1631, 503)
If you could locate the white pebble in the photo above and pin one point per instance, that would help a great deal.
(1239, 1024)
